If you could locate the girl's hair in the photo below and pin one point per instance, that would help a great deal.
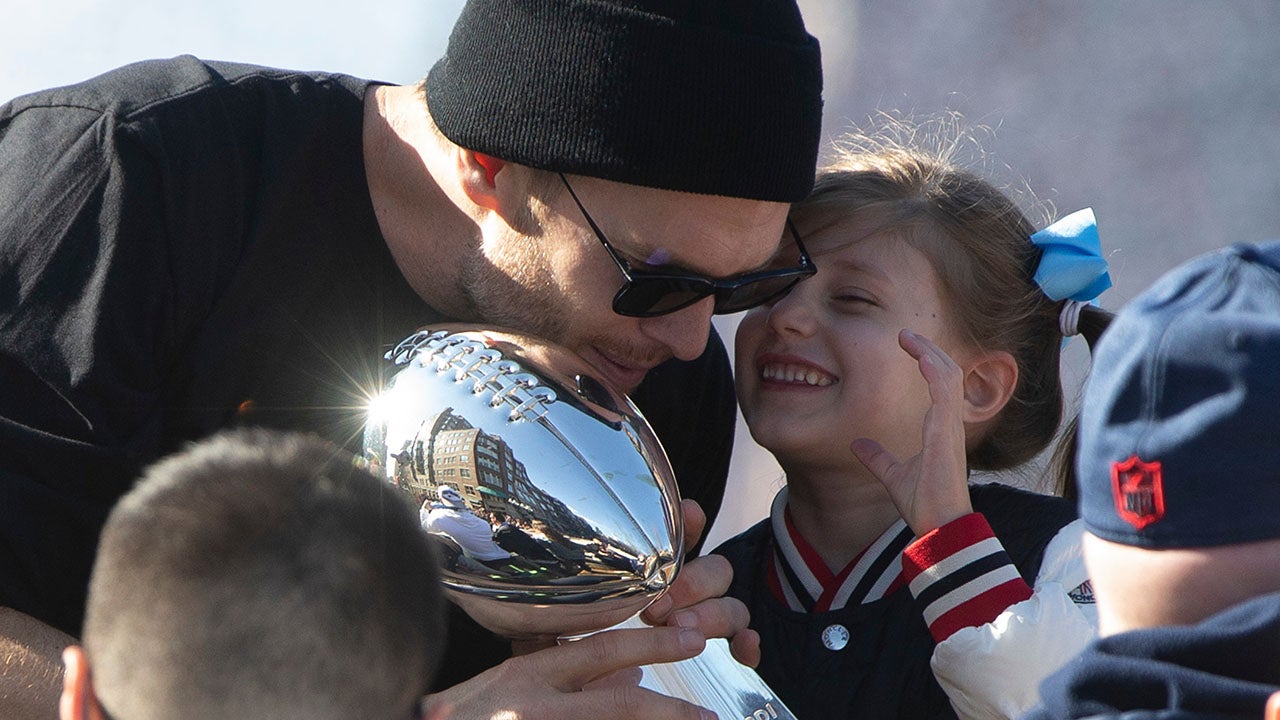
(1093, 322)
(979, 242)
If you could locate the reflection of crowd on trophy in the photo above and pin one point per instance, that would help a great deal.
(489, 541)
(477, 498)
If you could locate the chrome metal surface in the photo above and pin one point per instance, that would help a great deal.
(510, 427)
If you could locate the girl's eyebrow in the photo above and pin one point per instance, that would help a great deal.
(854, 266)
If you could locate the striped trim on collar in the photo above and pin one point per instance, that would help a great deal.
(799, 578)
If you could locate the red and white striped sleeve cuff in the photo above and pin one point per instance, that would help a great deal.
(962, 576)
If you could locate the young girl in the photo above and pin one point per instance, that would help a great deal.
(926, 346)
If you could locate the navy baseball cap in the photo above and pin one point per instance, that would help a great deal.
(1179, 436)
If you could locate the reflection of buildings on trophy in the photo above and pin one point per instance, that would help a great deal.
(449, 452)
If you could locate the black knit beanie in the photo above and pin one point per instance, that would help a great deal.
(721, 97)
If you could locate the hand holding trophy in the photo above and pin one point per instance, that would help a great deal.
(509, 432)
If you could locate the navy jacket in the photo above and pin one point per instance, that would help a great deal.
(1225, 667)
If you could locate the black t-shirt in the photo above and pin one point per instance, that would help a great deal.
(188, 245)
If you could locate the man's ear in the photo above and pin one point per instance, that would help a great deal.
(78, 701)
(989, 381)
(478, 174)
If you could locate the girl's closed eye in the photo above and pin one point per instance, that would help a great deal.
(854, 299)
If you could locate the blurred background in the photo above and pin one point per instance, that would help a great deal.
(1162, 115)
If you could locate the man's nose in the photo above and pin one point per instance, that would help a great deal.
(684, 331)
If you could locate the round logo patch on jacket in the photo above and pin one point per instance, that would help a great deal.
(835, 637)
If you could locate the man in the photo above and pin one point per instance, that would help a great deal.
(513, 539)
(258, 575)
(1177, 474)
(188, 245)
(454, 519)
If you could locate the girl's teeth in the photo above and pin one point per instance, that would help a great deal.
(795, 374)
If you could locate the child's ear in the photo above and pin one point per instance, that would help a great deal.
(989, 382)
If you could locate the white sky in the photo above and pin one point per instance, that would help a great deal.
(44, 43)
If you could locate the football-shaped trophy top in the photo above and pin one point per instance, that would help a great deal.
(554, 507)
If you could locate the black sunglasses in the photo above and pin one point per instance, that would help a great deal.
(646, 293)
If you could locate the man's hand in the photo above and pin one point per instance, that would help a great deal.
(598, 676)
(696, 600)
(590, 678)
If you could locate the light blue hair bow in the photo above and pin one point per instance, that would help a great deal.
(1072, 265)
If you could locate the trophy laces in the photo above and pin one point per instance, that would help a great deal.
(483, 366)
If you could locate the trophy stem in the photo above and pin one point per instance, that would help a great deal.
(715, 680)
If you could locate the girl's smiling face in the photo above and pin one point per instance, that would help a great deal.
(822, 365)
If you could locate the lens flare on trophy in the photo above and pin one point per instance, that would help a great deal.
(554, 508)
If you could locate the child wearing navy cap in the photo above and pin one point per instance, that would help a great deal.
(1177, 467)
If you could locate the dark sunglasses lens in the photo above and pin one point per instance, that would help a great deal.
(745, 297)
(649, 296)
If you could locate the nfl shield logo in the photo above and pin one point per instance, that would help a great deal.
(1138, 491)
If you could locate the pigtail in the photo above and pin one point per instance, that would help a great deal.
(1093, 322)
(1062, 462)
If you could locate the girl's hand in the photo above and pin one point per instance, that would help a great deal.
(930, 489)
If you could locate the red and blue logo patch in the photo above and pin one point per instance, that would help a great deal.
(1138, 489)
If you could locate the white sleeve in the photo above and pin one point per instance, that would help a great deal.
(994, 671)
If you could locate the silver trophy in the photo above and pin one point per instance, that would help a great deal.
(554, 507)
